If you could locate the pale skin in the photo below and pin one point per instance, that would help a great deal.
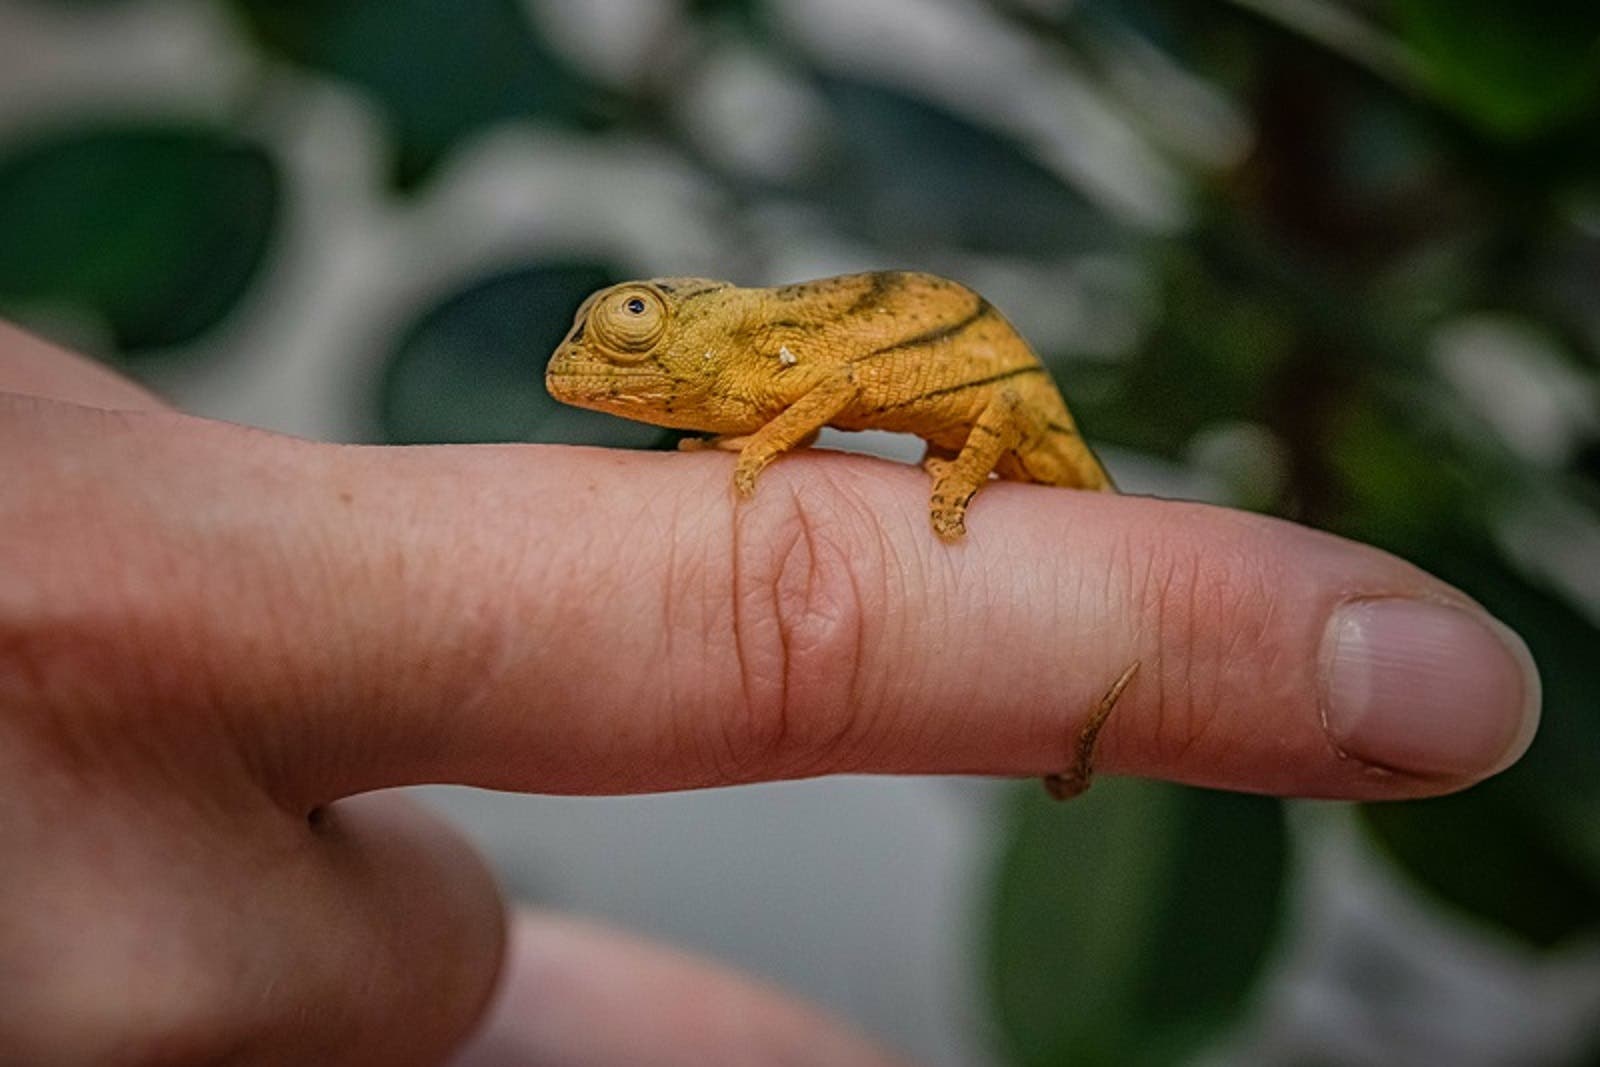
(213, 638)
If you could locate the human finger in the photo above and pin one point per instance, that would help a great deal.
(579, 620)
(576, 995)
(31, 366)
(150, 919)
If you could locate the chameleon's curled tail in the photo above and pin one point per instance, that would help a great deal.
(1076, 778)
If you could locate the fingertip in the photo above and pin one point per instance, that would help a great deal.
(1428, 689)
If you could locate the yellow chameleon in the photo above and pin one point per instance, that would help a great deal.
(766, 369)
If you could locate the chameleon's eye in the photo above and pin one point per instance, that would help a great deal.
(631, 321)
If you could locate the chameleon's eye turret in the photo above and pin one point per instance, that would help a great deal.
(630, 321)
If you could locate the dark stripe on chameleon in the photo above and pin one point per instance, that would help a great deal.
(1068, 430)
(879, 285)
(684, 298)
(577, 331)
(938, 333)
(979, 427)
(949, 390)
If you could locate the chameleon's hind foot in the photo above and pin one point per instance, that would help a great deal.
(1075, 780)
(953, 490)
(948, 508)
(949, 522)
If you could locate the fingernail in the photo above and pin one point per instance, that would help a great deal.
(1428, 689)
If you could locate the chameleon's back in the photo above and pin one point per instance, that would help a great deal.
(929, 355)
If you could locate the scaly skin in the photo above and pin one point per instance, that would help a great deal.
(765, 369)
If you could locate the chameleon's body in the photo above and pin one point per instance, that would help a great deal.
(765, 369)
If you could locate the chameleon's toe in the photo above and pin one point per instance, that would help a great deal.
(948, 510)
(744, 481)
(949, 523)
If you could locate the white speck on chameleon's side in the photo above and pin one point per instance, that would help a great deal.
(786, 357)
(708, 357)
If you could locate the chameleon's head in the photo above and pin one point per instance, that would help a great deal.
(636, 350)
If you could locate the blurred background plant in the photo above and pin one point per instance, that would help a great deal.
(1337, 260)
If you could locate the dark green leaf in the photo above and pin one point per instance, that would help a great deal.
(441, 70)
(1393, 489)
(748, 13)
(157, 229)
(1489, 855)
(1131, 925)
(1516, 69)
(914, 176)
(472, 368)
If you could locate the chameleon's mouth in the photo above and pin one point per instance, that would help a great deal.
(605, 386)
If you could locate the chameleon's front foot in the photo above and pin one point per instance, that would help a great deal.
(753, 459)
(1075, 780)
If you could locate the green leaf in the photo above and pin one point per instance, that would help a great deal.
(1210, 358)
(158, 230)
(1489, 855)
(441, 70)
(1131, 925)
(1515, 69)
(472, 367)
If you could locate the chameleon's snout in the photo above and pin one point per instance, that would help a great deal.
(558, 377)
(576, 376)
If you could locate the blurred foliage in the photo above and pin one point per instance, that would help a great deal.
(1517, 76)
(472, 368)
(904, 170)
(1402, 168)
(438, 73)
(1131, 925)
(158, 230)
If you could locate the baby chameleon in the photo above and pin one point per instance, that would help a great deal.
(766, 369)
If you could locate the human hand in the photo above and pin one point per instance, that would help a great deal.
(212, 638)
